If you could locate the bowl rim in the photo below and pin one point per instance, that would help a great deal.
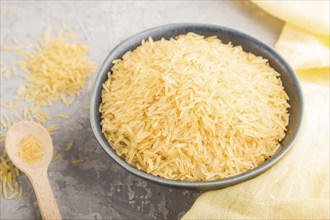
(205, 185)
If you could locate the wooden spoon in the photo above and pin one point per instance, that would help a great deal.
(37, 171)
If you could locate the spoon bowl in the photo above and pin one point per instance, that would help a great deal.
(36, 171)
(20, 130)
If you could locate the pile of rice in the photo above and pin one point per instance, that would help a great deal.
(30, 150)
(58, 70)
(193, 108)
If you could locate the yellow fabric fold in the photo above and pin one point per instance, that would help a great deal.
(315, 75)
(303, 49)
(309, 15)
(305, 37)
(297, 187)
(308, 53)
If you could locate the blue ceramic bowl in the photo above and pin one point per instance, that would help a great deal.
(249, 44)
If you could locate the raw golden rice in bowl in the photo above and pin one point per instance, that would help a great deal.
(193, 108)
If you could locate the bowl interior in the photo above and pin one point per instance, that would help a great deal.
(226, 35)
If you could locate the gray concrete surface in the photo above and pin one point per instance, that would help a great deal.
(99, 188)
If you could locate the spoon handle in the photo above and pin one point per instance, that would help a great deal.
(45, 197)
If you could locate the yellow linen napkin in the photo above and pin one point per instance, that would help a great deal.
(312, 15)
(303, 49)
(304, 41)
(307, 52)
(297, 187)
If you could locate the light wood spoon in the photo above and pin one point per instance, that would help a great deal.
(37, 171)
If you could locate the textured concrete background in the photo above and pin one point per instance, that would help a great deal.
(99, 188)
